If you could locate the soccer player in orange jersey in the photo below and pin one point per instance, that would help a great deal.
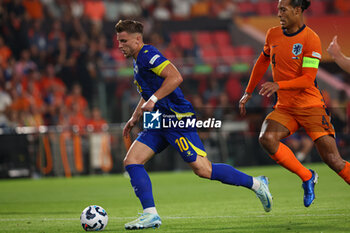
(294, 52)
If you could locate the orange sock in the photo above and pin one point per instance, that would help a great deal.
(345, 172)
(285, 157)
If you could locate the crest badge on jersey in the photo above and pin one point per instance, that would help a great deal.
(297, 49)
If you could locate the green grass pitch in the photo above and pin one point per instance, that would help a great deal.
(185, 202)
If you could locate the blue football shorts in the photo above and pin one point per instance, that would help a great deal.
(187, 143)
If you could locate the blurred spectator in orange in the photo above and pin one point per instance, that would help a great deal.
(77, 117)
(20, 102)
(96, 121)
(94, 10)
(200, 8)
(51, 82)
(5, 53)
(34, 8)
(32, 78)
(76, 100)
(25, 91)
(31, 117)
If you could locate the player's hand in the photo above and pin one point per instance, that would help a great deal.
(148, 106)
(333, 48)
(129, 125)
(245, 98)
(268, 89)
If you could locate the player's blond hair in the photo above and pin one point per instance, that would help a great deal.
(129, 26)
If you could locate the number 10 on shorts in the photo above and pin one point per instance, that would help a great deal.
(182, 144)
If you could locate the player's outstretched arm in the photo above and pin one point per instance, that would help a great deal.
(335, 51)
(245, 98)
(172, 79)
(134, 118)
(258, 72)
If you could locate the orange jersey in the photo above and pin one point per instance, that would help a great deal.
(294, 59)
(287, 53)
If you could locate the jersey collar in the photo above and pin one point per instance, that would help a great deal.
(139, 52)
(295, 33)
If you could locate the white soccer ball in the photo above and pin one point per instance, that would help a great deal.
(94, 218)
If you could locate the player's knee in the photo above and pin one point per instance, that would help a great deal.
(202, 172)
(128, 160)
(267, 140)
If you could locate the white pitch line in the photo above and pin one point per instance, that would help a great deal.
(173, 217)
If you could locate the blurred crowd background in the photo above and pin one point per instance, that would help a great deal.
(60, 63)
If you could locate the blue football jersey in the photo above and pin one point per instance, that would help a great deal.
(147, 69)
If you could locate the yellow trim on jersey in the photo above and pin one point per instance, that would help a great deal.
(309, 62)
(180, 115)
(196, 149)
(157, 70)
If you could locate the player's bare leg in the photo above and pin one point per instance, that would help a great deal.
(202, 167)
(138, 153)
(271, 134)
(229, 175)
(134, 161)
(329, 153)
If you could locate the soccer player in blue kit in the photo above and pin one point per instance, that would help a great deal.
(157, 81)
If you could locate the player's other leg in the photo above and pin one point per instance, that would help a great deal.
(329, 153)
(229, 175)
(271, 134)
(138, 154)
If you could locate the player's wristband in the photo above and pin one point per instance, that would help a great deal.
(153, 98)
